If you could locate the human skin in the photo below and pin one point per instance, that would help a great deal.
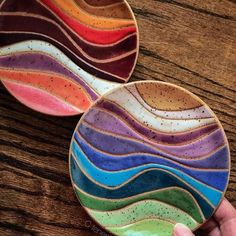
(223, 223)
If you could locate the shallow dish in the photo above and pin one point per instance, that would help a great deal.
(147, 156)
(58, 57)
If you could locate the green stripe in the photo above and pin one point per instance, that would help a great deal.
(144, 228)
(143, 210)
(175, 197)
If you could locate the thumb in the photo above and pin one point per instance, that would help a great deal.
(182, 230)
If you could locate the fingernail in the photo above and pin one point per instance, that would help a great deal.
(182, 230)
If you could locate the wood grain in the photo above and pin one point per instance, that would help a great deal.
(190, 43)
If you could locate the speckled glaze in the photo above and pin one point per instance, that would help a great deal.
(146, 156)
(59, 56)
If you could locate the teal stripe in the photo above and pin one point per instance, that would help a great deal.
(114, 179)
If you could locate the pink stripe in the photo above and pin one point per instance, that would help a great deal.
(39, 100)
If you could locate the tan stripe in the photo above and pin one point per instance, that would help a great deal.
(166, 97)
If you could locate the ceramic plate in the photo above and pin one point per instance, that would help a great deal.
(149, 155)
(59, 56)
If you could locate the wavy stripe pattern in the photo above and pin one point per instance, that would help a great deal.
(79, 42)
(137, 159)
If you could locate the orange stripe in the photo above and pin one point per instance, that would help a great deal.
(39, 100)
(72, 9)
(93, 35)
(69, 91)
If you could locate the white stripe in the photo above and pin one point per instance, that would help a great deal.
(126, 100)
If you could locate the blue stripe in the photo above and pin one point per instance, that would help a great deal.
(149, 181)
(216, 179)
(114, 179)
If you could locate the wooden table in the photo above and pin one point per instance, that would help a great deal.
(187, 42)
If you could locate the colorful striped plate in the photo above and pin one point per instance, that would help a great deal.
(149, 155)
(58, 56)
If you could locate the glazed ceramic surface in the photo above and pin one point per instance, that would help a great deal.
(149, 155)
(59, 56)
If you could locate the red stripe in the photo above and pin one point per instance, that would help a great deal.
(90, 34)
(39, 100)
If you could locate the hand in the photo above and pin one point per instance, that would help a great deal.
(223, 223)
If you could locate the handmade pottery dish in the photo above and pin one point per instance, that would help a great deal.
(149, 155)
(58, 57)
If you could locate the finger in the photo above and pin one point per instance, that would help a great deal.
(225, 212)
(211, 228)
(215, 232)
(182, 230)
(226, 217)
(228, 228)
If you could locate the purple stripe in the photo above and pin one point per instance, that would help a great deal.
(197, 148)
(121, 146)
(218, 160)
(140, 129)
(105, 121)
(107, 162)
(42, 62)
(115, 145)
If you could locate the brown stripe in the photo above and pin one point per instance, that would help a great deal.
(114, 11)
